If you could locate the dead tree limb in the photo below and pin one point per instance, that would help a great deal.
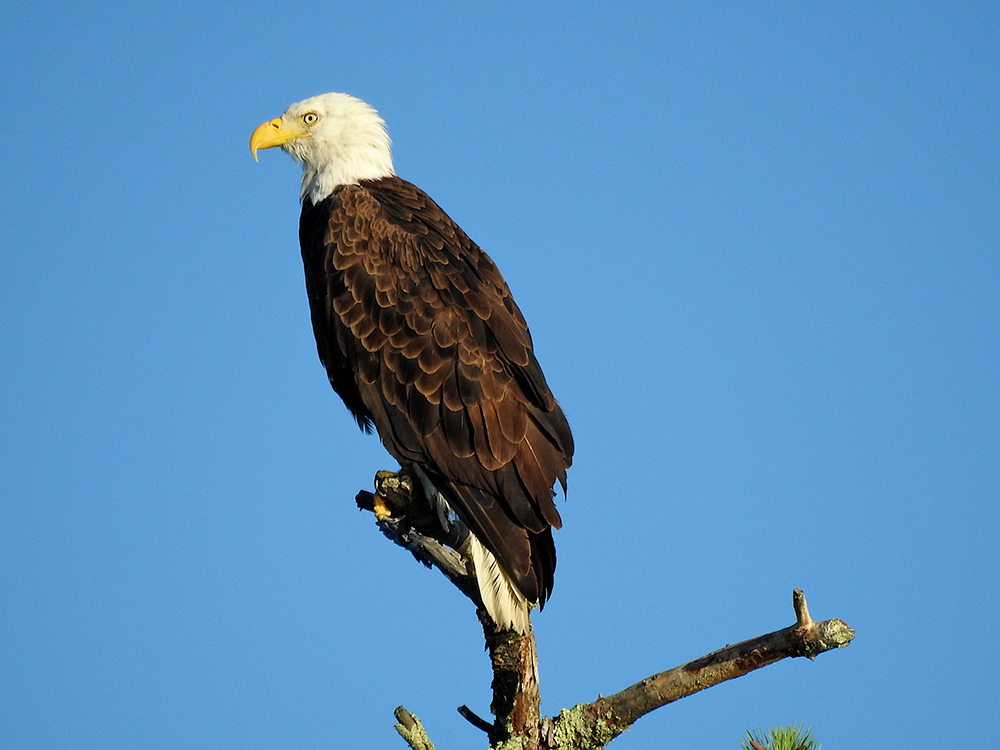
(597, 723)
(516, 699)
(411, 729)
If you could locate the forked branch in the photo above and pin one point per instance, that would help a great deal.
(516, 698)
(595, 724)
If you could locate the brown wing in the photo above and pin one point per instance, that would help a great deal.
(421, 337)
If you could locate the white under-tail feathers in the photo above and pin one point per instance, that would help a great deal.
(504, 602)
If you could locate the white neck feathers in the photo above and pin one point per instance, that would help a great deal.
(348, 143)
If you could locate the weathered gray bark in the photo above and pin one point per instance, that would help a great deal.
(516, 703)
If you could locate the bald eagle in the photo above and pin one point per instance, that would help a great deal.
(421, 338)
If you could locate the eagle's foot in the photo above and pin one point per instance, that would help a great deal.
(381, 511)
(393, 495)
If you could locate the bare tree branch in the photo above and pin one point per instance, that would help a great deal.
(411, 729)
(608, 717)
(412, 524)
(477, 721)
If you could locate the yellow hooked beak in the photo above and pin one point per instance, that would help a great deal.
(274, 133)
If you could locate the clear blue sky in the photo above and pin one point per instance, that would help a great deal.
(757, 245)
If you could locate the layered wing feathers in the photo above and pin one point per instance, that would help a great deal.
(421, 337)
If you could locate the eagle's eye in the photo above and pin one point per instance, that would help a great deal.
(310, 118)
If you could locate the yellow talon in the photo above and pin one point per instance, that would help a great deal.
(381, 512)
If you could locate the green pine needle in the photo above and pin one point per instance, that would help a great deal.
(782, 738)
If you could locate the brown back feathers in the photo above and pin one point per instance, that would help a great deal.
(421, 338)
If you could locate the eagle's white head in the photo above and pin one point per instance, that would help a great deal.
(338, 140)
